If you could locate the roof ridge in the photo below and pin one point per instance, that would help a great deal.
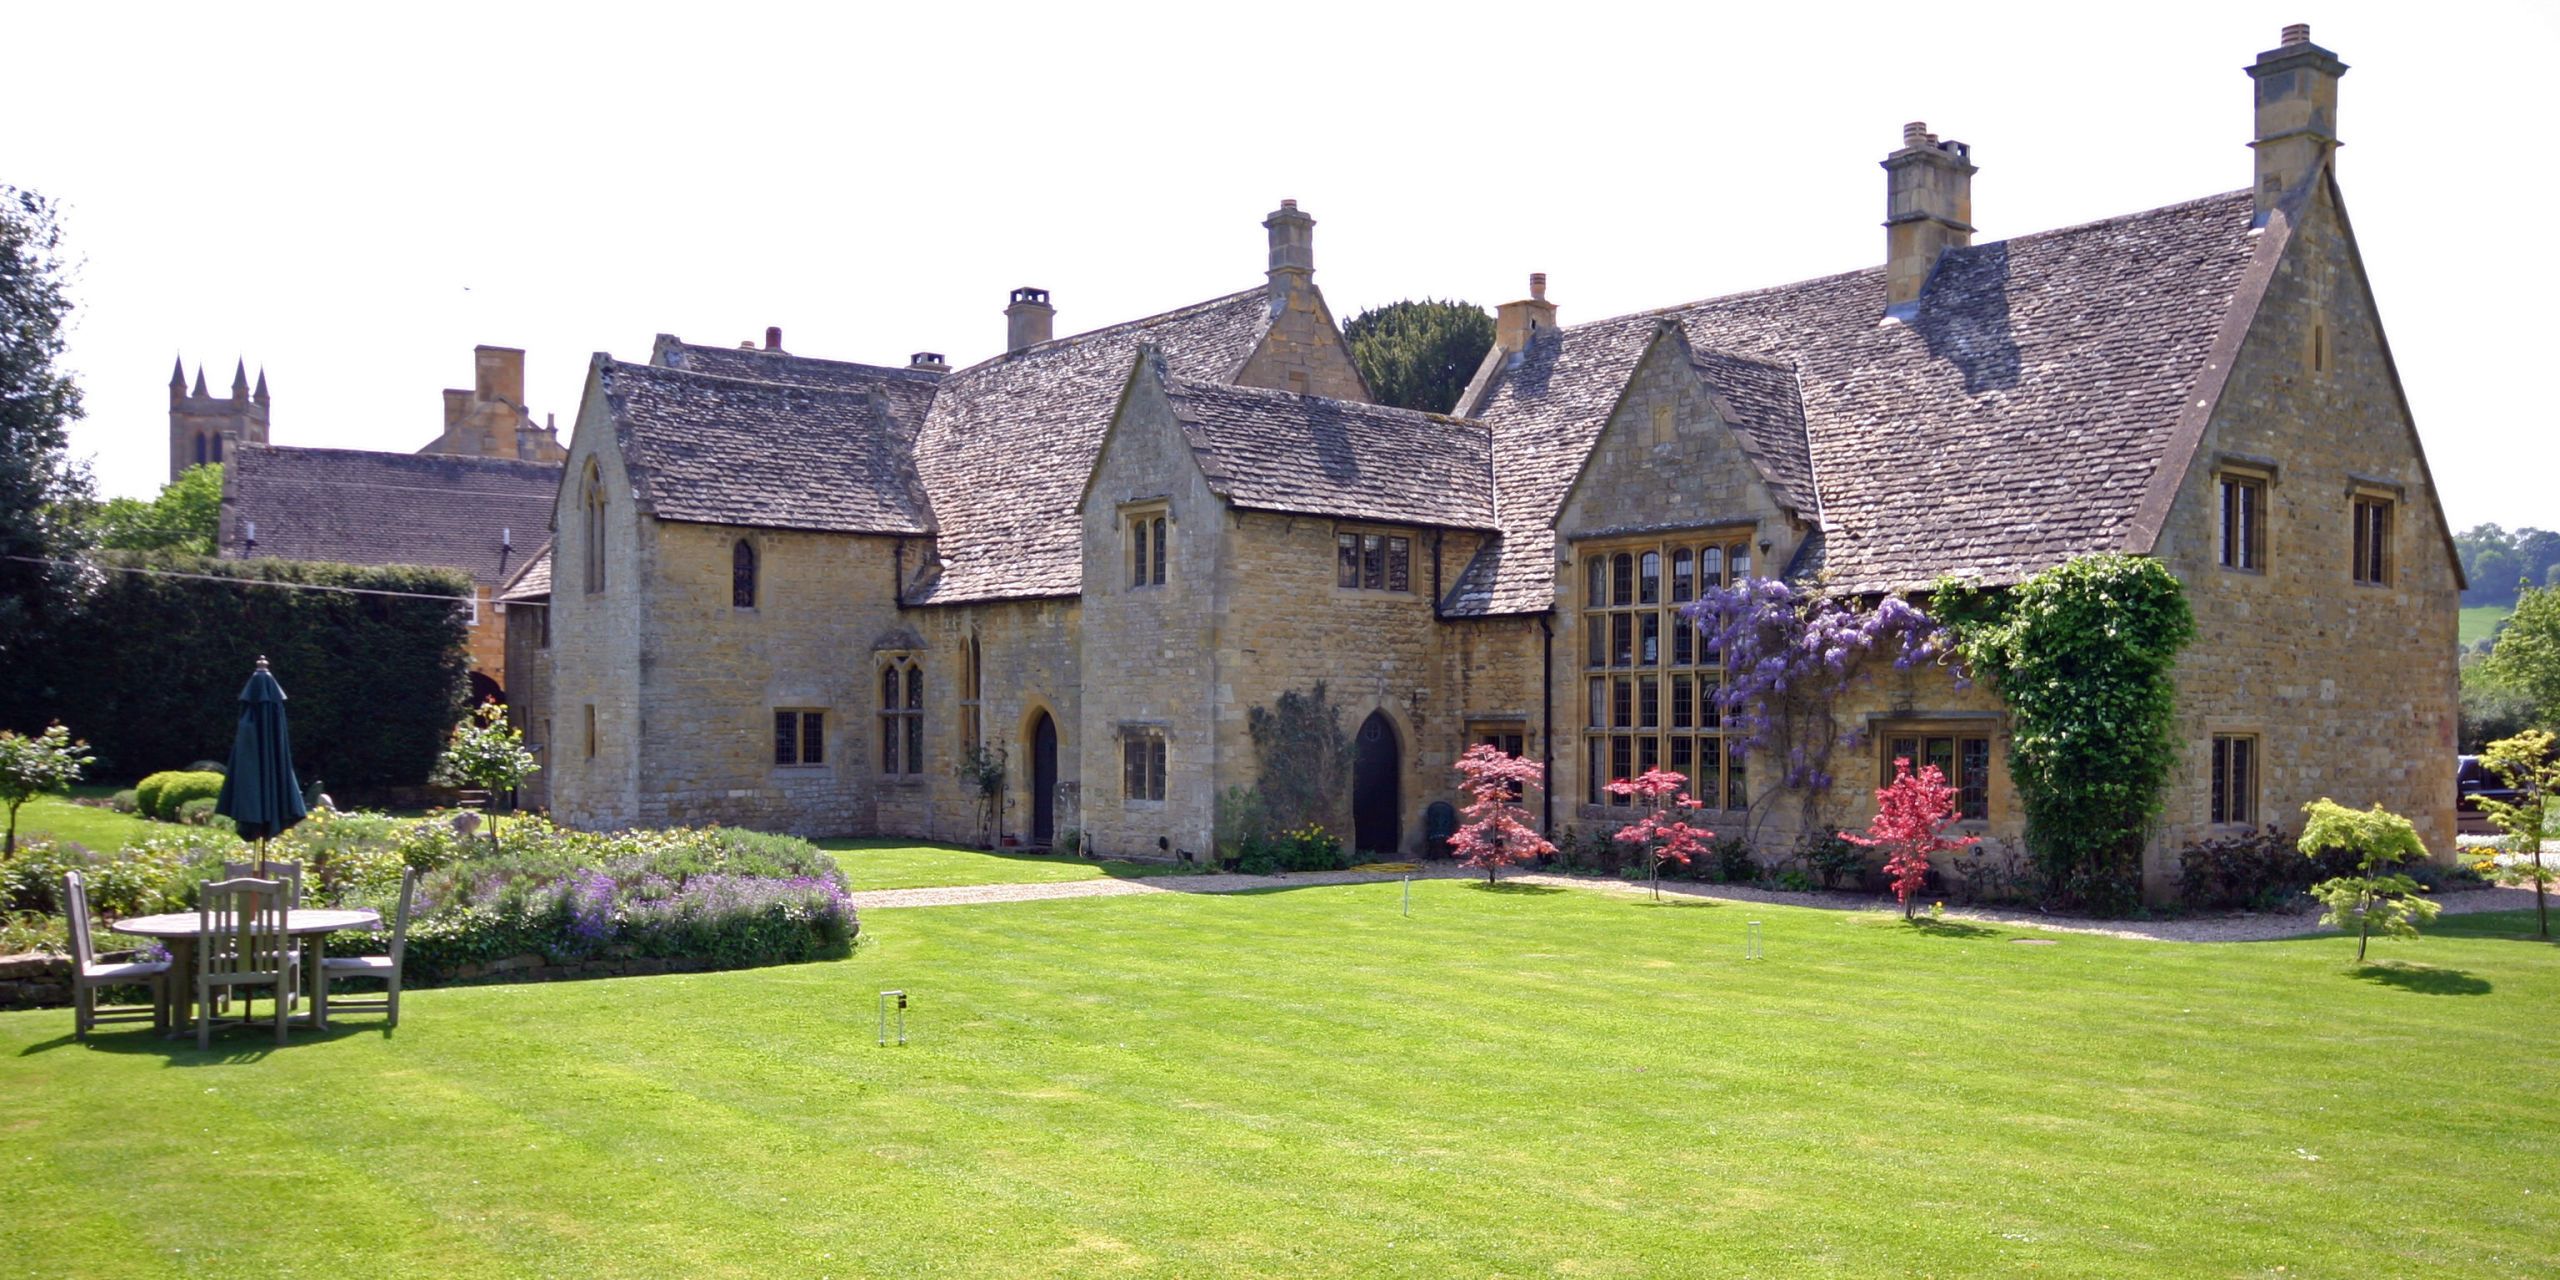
(908, 372)
(1059, 344)
(1678, 308)
(1188, 386)
(654, 370)
(475, 459)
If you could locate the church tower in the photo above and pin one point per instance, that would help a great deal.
(203, 428)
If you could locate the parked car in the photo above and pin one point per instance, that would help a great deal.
(2472, 781)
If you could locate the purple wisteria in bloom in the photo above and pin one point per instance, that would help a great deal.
(1789, 652)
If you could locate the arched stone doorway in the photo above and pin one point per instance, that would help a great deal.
(1377, 785)
(1044, 779)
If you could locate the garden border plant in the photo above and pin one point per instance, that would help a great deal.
(2083, 655)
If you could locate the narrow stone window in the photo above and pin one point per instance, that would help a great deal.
(901, 717)
(201, 457)
(1138, 554)
(1663, 430)
(1142, 764)
(1147, 549)
(2373, 541)
(969, 697)
(217, 448)
(2242, 541)
(2319, 348)
(799, 737)
(591, 731)
(593, 502)
(1155, 567)
(2235, 779)
(742, 575)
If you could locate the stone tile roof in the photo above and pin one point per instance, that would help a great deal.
(717, 450)
(533, 581)
(357, 506)
(2013, 419)
(1761, 402)
(1308, 455)
(1010, 441)
(909, 390)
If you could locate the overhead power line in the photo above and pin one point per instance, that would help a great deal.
(245, 582)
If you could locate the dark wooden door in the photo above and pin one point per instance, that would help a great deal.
(1044, 780)
(1377, 802)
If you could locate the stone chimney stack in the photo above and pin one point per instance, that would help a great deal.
(1293, 252)
(497, 373)
(2297, 93)
(1928, 209)
(1028, 320)
(1517, 324)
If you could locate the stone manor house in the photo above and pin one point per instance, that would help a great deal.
(792, 592)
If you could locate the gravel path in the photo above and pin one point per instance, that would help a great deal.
(2221, 928)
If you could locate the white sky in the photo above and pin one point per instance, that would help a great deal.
(354, 195)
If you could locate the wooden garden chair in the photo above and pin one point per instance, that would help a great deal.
(87, 975)
(241, 945)
(269, 869)
(384, 967)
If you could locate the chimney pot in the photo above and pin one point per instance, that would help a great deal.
(773, 337)
(1537, 286)
(2297, 33)
(1915, 134)
(929, 360)
(1028, 318)
(1517, 324)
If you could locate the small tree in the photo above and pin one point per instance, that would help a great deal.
(487, 754)
(1913, 813)
(1663, 831)
(2530, 764)
(1497, 832)
(2368, 900)
(29, 767)
(981, 768)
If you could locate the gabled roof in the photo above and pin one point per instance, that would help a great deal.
(909, 390)
(1763, 406)
(715, 450)
(1307, 455)
(2013, 419)
(357, 506)
(533, 581)
(1009, 442)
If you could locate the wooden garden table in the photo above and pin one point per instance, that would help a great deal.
(179, 930)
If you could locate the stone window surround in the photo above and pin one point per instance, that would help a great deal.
(2217, 762)
(1388, 536)
(2260, 475)
(592, 504)
(2363, 491)
(1983, 726)
(800, 761)
(1693, 548)
(1155, 737)
(900, 758)
(746, 570)
(1145, 523)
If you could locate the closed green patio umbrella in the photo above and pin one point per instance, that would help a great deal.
(260, 795)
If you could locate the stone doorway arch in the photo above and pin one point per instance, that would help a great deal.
(1377, 787)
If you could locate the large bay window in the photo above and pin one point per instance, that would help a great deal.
(1650, 681)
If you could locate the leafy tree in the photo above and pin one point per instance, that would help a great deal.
(2084, 655)
(2530, 762)
(487, 754)
(41, 489)
(2490, 709)
(2493, 577)
(2368, 900)
(2527, 656)
(29, 767)
(1497, 832)
(1913, 813)
(1420, 355)
(187, 516)
(1305, 761)
(1664, 830)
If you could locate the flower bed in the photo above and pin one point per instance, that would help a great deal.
(547, 902)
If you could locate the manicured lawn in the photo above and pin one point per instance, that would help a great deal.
(103, 829)
(2479, 620)
(1307, 1083)
(904, 864)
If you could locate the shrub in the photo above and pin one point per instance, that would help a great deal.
(29, 767)
(199, 813)
(126, 801)
(1734, 862)
(159, 874)
(1834, 861)
(1309, 848)
(210, 766)
(2366, 900)
(160, 794)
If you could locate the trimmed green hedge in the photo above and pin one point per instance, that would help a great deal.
(160, 795)
(153, 671)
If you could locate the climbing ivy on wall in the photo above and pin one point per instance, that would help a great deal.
(1305, 760)
(2083, 655)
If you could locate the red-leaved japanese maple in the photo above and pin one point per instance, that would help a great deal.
(1913, 813)
(1663, 830)
(1498, 832)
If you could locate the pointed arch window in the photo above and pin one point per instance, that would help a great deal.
(969, 697)
(217, 448)
(201, 457)
(742, 575)
(592, 502)
(902, 717)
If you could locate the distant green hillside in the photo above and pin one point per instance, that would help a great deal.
(2480, 619)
